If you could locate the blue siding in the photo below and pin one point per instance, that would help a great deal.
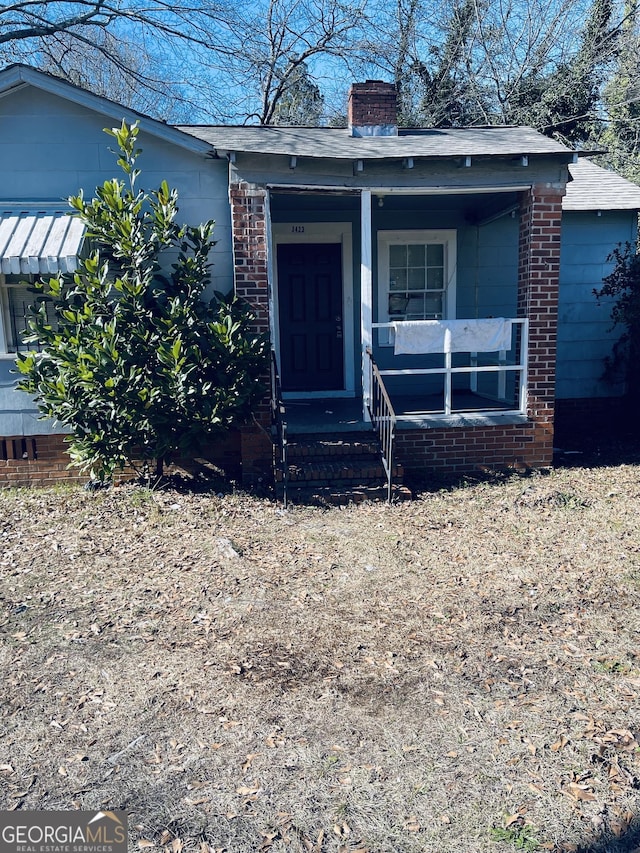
(488, 269)
(585, 336)
(50, 148)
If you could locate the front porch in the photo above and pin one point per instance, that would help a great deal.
(335, 272)
(329, 442)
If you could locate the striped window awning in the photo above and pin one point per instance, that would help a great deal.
(33, 242)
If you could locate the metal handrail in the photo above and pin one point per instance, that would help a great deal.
(278, 429)
(383, 418)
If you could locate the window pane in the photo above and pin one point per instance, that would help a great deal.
(415, 307)
(435, 255)
(397, 256)
(416, 255)
(416, 279)
(397, 279)
(433, 307)
(22, 301)
(397, 304)
(435, 279)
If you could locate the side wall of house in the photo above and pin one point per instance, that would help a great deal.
(51, 148)
(585, 336)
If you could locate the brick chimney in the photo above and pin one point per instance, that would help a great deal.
(372, 109)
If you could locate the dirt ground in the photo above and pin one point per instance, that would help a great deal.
(459, 673)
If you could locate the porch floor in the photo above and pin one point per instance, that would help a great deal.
(325, 415)
(331, 414)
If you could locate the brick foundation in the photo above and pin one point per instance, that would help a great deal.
(257, 456)
(589, 418)
(457, 450)
(42, 460)
(39, 460)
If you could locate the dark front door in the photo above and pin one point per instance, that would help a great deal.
(310, 306)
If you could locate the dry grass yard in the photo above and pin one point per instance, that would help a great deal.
(460, 673)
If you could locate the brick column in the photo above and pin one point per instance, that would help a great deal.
(538, 278)
(249, 229)
(249, 225)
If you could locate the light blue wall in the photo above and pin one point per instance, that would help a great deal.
(51, 148)
(585, 336)
(18, 415)
(488, 269)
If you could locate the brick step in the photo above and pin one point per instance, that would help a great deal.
(370, 470)
(328, 447)
(334, 496)
(349, 469)
(337, 468)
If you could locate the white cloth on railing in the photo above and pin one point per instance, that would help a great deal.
(414, 337)
(418, 336)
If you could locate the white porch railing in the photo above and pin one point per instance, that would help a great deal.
(503, 366)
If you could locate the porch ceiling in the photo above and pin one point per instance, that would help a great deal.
(472, 208)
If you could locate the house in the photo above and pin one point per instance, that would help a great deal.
(433, 284)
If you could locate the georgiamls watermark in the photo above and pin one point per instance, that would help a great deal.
(63, 832)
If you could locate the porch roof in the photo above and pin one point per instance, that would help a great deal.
(336, 143)
(35, 241)
(593, 188)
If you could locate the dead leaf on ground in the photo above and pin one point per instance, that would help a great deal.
(249, 759)
(579, 792)
(246, 791)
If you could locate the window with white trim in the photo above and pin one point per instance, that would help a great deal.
(416, 275)
(18, 301)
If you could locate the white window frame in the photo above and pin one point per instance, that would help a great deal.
(9, 349)
(5, 320)
(448, 237)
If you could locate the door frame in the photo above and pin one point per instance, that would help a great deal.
(301, 232)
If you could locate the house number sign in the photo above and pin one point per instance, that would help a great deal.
(297, 229)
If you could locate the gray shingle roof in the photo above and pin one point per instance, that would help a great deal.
(595, 188)
(337, 144)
